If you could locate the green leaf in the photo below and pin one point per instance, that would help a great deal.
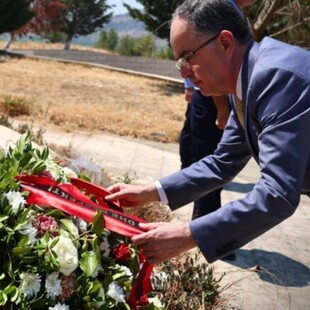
(3, 218)
(98, 223)
(25, 159)
(21, 250)
(84, 177)
(70, 227)
(39, 167)
(89, 263)
(45, 153)
(3, 298)
(21, 144)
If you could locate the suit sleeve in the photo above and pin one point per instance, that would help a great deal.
(210, 172)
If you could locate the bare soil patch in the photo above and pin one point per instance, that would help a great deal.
(80, 97)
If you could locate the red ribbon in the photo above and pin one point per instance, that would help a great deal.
(68, 198)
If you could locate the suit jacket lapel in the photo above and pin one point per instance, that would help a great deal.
(247, 69)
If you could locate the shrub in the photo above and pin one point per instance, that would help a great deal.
(4, 121)
(35, 136)
(15, 106)
(187, 284)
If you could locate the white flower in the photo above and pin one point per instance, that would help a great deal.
(53, 168)
(69, 173)
(105, 247)
(53, 285)
(156, 302)
(67, 255)
(30, 284)
(81, 224)
(127, 272)
(16, 200)
(59, 306)
(29, 231)
(116, 292)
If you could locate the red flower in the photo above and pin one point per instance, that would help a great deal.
(45, 224)
(122, 252)
(68, 285)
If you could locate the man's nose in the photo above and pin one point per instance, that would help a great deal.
(185, 72)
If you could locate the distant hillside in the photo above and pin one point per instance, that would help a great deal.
(124, 25)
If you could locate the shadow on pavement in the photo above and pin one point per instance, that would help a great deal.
(239, 187)
(274, 267)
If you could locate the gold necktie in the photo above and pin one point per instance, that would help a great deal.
(239, 108)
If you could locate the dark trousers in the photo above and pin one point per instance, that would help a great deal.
(199, 138)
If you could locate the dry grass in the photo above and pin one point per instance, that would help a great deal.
(18, 45)
(77, 97)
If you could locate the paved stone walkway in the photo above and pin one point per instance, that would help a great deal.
(283, 253)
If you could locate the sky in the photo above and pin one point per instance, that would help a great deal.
(120, 9)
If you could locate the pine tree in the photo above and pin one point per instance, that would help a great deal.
(83, 17)
(156, 15)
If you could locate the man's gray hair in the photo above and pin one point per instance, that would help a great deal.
(213, 16)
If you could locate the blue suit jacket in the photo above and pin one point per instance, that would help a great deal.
(276, 99)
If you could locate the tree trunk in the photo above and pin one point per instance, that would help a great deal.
(67, 45)
(9, 42)
(68, 42)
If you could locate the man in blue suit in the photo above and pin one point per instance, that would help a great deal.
(270, 120)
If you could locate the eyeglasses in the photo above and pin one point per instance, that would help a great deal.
(183, 61)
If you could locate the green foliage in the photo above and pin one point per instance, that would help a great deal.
(55, 36)
(83, 17)
(130, 46)
(50, 259)
(14, 14)
(5, 121)
(108, 40)
(144, 46)
(156, 15)
(165, 53)
(187, 285)
(35, 136)
(127, 178)
(126, 46)
(136, 46)
(15, 106)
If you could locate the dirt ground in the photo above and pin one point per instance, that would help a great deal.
(78, 97)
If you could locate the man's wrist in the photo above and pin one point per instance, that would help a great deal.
(161, 193)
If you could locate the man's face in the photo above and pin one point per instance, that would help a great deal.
(200, 58)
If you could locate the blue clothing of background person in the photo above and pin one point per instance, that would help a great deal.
(185, 140)
(199, 137)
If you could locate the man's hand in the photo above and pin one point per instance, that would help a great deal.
(162, 241)
(132, 195)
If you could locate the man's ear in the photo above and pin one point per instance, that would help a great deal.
(226, 40)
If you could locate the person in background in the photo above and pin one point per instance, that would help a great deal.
(185, 141)
(270, 121)
(200, 136)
